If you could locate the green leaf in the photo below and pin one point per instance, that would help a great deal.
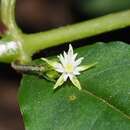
(102, 104)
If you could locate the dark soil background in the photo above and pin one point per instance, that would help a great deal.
(39, 15)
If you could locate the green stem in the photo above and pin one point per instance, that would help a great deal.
(8, 16)
(14, 33)
(42, 40)
(28, 44)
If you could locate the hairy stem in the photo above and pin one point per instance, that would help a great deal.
(28, 69)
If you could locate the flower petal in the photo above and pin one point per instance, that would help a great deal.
(85, 67)
(59, 82)
(76, 82)
(61, 58)
(78, 62)
(76, 72)
(70, 76)
(65, 77)
(59, 68)
(74, 56)
(65, 55)
(70, 51)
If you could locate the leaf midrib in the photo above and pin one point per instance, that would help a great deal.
(103, 100)
(107, 103)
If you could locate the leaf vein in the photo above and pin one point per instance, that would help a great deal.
(107, 103)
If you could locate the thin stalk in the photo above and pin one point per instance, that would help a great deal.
(42, 40)
(29, 69)
(8, 16)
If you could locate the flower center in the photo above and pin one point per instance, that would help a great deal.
(69, 68)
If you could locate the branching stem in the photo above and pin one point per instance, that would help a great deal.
(32, 43)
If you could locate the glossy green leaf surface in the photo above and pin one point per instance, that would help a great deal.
(102, 104)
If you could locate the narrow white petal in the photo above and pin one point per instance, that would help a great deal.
(74, 56)
(72, 59)
(70, 76)
(59, 82)
(76, 72)
(65, 77)
(59, 68)
(65, 55)
(61, 58)
(70, 53)
(78, 62)
(76, 82)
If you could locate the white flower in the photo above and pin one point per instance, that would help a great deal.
(68, 67)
